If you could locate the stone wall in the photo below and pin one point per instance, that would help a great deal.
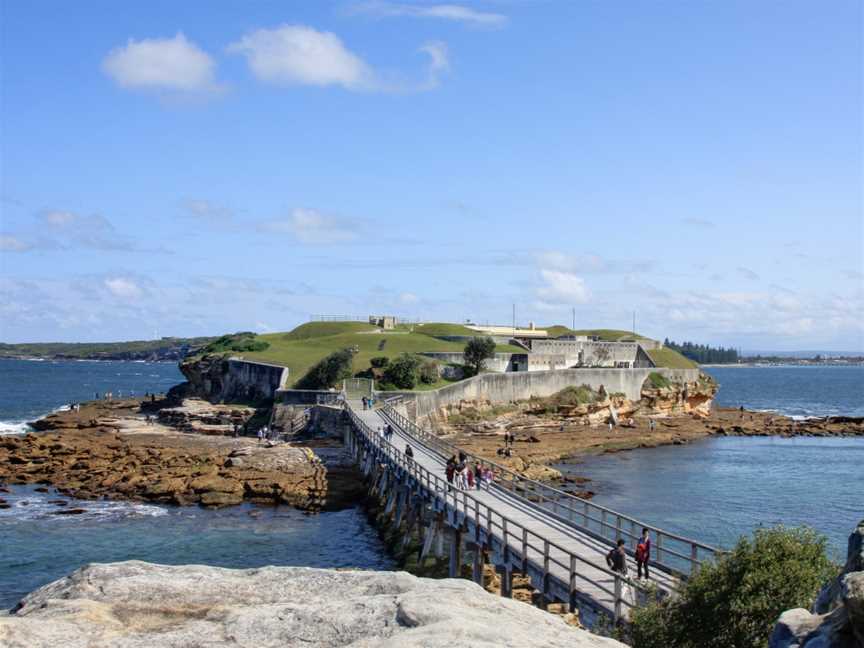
(220, 379)
(509, 387)
(501, 362)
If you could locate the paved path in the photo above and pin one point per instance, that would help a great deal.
(538, 520)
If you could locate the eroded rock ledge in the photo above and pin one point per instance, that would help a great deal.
(142, 605)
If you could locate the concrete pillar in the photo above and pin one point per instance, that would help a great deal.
(455, 553)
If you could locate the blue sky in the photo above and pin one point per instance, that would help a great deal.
(195, 168)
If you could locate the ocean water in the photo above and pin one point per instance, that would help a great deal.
(794, 391)
(717, 489)
(30, 389)
(37, 547)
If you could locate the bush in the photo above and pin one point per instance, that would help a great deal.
(737, 600)
(429, 373)
(572, 396)
(478, 351)
(329, 371)
(244, 341)
(403, 372)
(658, 380)
(379, 362)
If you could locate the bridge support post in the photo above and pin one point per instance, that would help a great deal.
(478, 562)
(455, 553)
(506, 574)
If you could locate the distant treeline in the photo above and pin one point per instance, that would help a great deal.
(704, 354)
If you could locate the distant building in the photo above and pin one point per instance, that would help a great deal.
(386, 322)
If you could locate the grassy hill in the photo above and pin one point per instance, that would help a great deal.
(671, 359)
(609, 335)
(308, 343)
(165, 348)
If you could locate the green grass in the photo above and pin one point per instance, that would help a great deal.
(608, 335)
(670, 359)
(309, 343)
(326, 329)
(440, 329)
(658, 380)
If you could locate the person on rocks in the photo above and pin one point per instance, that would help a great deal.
(643, 554)
(617, 558)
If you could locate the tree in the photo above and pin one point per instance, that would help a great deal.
(429, 373)
(737, 600)
(379, 362)
(403, 372)
(329, 371)
(478, 351)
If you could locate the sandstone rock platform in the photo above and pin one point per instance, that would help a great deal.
(142, 605)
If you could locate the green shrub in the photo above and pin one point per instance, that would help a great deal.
(403, 372)
(658, 380)
(429, 373)
(240, 342)
(379, 362)
(329, 371)
(737, 600)
(572, 396)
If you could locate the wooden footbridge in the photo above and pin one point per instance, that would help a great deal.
(518, 525)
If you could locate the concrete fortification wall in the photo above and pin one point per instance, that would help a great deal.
(220, 379)
(509, 387)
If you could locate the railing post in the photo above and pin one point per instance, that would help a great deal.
(603, 523)
(572, 583)
(585, 513)
(524, 551)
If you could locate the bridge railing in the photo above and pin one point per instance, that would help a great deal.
(673, 553)
(547, 556)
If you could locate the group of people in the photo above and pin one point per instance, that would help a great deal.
(385, 432)
(466, 477)
(267, 435)
(368, 402)
(617, 557)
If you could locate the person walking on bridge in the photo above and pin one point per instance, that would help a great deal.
(409, 454)
(617, 558)
(450, 471)
(643, 554)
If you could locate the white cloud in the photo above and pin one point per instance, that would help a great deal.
(563, 287)
(313, 226)
(208, 211)
(747, 273)
(408, 298)
(123, 287)
(452, 12)
(301, 55)
(67, 229)
(295, 54)
(13, 244)
(174, 64)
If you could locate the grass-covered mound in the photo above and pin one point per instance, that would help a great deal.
(670, 359)
(607, 335)
(310, 343)
(737, 600)
(236, 342)
(441, 329)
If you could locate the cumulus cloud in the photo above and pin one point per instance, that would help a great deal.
(301, 55)
(67, 229)
(208, 211)
(13, 244)
(313, 227)
(563, 287)
(174, 64)
(452, 12)
(408, 298)
(123, 287)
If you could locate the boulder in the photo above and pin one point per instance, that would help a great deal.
(141, 605)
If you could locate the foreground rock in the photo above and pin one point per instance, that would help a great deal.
(837, 617)
(141, 605)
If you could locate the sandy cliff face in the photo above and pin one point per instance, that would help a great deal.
(141, 605)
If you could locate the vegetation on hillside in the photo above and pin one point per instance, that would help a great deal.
(325, 329)
(737, 600)
(329, 372)
(704, 354)
(607, 335)
(670, 359)
(238, 342)
(164, 348)
(300, 352)
(658, 380)
(478, 351)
